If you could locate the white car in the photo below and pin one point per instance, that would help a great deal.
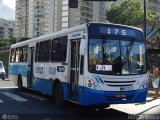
(2, 71)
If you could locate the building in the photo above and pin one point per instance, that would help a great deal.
(76, 16)
(6, 28)
(87, 11)
(99, 11)
(34, 18)
(38, 17)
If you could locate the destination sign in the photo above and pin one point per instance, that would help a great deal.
(117, 31)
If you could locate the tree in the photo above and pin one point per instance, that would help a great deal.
(4, 42)
(130, 12)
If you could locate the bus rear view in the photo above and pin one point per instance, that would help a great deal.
(116, 65)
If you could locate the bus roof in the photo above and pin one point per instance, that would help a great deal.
(51, 35)
(69, 30)
(120, 25)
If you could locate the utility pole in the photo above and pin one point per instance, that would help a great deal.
(144, 24)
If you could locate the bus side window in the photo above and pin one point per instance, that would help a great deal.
(55, 48)
(20, 54)
(17, 55)
(44, 51)
(37, 52)
(12, 55)
(59, 49)
(25, 53)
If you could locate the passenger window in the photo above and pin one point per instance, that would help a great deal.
(59, 49)
(25, 53)
(37, 52)
(12, 55)
(44, 51)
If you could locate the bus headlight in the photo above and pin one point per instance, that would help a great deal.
(91, 84)
(144, 84)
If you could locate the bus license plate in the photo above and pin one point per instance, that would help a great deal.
(126, 88)
(120, 96)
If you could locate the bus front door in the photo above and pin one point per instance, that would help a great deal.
(74, 74)
(30, 67)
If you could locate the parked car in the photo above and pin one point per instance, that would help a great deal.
(2, 71)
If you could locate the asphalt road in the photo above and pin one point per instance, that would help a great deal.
(29, 105)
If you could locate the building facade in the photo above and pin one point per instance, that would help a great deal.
(87, 11)
(34, 18)
(6, 28)
(39, 17)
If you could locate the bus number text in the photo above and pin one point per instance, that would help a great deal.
(39, 70)
(116, 31)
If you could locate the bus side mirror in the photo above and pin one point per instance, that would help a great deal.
(83, 45)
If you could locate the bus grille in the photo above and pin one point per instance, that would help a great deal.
(119, 83)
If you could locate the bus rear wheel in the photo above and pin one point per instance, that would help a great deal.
(58, 94)
(20, 87)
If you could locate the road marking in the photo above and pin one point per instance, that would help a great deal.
(34, 96)
(8, 87)
(15, 97)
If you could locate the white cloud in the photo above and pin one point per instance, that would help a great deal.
(10, 3)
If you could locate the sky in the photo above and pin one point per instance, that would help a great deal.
(10, 3)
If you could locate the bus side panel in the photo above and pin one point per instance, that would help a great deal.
(46, 73)
(43, 85)
(46, 86)
(81, 92)
(66, 91)
(18, 69)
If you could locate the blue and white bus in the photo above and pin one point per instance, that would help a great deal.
(91, 64)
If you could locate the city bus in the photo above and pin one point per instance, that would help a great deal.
(93, 64)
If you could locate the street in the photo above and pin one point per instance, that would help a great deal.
(35, 106)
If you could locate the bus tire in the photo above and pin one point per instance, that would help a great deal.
(19, 83)
(58, 94)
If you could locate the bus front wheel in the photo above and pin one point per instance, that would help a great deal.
(58, 94)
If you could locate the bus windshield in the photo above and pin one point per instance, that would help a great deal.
(113, 56)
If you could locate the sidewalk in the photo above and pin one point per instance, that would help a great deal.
(6, 84)
(138, 108)
(151, 93)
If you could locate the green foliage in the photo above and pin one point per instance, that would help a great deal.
(130, 12)
(5, 43)
(10, 41)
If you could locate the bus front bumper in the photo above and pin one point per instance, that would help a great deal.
(95, 97)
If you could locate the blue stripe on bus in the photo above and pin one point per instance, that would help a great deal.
(97, 79)
(101, 80)
(42, 85)
(18, 69)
